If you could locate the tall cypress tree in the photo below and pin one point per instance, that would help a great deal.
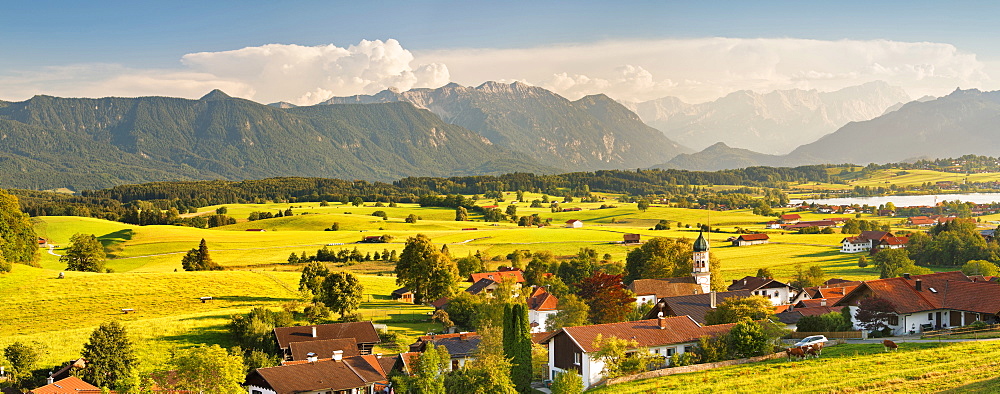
(521, 357)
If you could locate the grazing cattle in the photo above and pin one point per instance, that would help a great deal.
(812, 350)
(819, 347)
(796, 352)
(889, 345)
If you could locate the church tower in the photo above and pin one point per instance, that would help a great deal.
(700, 267)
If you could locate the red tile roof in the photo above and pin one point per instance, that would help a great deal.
(323, 348)
(646, 333)
(665, 287)
(791, 216)
(70, 385)
(497, 276)
(753, 237)
(942, 290)
(542, 300)
(362, 332)
(322, 375)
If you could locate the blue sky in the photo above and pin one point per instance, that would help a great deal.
(152, 37)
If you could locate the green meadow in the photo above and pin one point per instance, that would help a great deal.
(969, 367)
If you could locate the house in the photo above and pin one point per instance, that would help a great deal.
(932, 301)
(300, 351)
(256, 230)
(629, 239)
(70, 385)
(773, 225)
(779, 293)
(364, 335)
(572, 348)
(516, 274)
(541, 306)
(813, 223)
(695, 306)
(922, 221)
(403, 294)
(790, 218)
(891, 243)
(886, 212)
(462, 346)
(647, 291)
(354, 375)
(864, 242)
(824, 210)
(574, 223)
(751, 239)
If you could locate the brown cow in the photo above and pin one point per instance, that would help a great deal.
(818, 346)
(812, 350)
(796, 352)
(889, 345)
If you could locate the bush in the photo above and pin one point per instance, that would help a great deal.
(683, 359)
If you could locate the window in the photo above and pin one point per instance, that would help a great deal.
(688, 349)
(893, 320)
(930, 316)
(576, 358)
(670, 351)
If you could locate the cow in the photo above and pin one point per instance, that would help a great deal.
(812, 350)
(796, 352)
(819, 347)
(887, 344)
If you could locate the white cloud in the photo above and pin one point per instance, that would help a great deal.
(694, 70)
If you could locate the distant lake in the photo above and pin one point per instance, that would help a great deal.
(906, 201)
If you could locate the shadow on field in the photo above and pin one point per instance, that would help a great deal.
(249, 300)
(985, 386)
(114, 242)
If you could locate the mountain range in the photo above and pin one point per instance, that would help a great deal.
(774, 123)
(963, 122)
(592, 133)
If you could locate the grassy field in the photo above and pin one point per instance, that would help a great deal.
(914, 368)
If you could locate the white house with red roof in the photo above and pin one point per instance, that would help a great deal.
(541, 306)
(574, 223)
(572, 348)
(932, 301)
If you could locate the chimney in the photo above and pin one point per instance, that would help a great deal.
(49, 380)
(822, 302)
(711, 299)
(338, 355)
(906, 275)
(917, 283)
(314, 331)
(311, 357)
(661, 322)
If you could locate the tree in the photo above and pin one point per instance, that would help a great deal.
(980, 267)
(18, 241)
(461, 214)
(411, 218)
(874, 313)
(813, 276)
(469, 265)
(207, 369)
(357, 201)
(341, 292)
(315, 312)
(540, 264)
(463, 310)
(517, 345)
(572, 312)
(429, 370)
(612, 351)
(198, 259)
(735, 309)
(749, 339)
(895, 262)
(608, 300)
(441, 316)
(255, 330)
(427, 272)
(862, 262)
(312, 277)
(511, 210)
(764, 273)
(829, 322)
(22, 358)
(85, 253)
(662, 258)
(643, 205)
(568, 382)
(110, 359)
(489, 373)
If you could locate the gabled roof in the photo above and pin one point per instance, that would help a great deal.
(440, 302)
(874, 235)
(942, 290)
(362, 332)
(665, 287)
(646, 333)
(497, 276)
(894, 241)
(573, 221)
(791, 216)
(753, 237)
(817, 302)
(542, 300)
(458, 345)
(755, 283)
(479, 286)
(70, 385)
(793, 316)
(695, 305)
(323, 348)
(322, 375)
(400, 291)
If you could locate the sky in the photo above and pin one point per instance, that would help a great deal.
(304, 52)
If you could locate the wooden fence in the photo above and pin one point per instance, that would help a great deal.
(831, 335)
(959, 330)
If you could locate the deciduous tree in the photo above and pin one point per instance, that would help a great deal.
(18, 242)
(341, 292)
(874, 313)
(22, 358)
(572, 312)
(608, 299)
(427, 272)
(85, 253)
(111, 361)
(980, 267)
(568, 382)
(735, 309)
(207, 369)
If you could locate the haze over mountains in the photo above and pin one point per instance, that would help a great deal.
(773, 123)
(594, 132)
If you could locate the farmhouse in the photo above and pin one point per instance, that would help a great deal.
(932, 301)
(891, 243)
(779, 293)
(403, 294)
(68, 385)
(363, 333)
(355, 375)
(863, 242)
(502, 273)
(629, 239)
(300, 351)
(572, 348)
(813, 223)
(790, 218)
(696, 306)
(751, 239)
(574, 223)
(462, 346)
(647, 291)
(773, 225)
(541, 306)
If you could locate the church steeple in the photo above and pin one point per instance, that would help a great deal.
(700, 265)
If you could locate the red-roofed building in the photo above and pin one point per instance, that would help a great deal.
(932, 301)
(541, 306)
(572, 348)
(355, 375)
(574, 223)
(790, 218)
(864, 242)
(70, 385)
(498, 276)
(922, 221)
(751, 239)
